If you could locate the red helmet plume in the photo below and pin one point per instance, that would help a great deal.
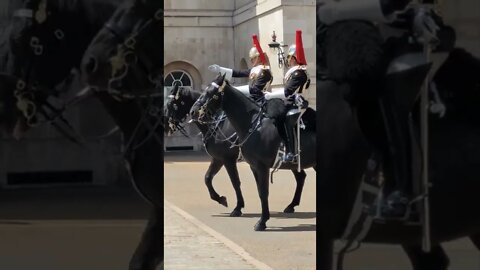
(299, 48)
(256, 43)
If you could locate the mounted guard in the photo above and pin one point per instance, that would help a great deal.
(386, 60)
(260, 75)
(296, 80)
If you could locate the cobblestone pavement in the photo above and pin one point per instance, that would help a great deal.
(189, 247)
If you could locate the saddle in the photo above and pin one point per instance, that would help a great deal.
(277, 110)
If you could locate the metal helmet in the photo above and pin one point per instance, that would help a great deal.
(292, 51)
(253, 52)
(296, 49)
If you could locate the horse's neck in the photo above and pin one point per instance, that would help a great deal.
(204, 128)
(193, 96)
(239, 109)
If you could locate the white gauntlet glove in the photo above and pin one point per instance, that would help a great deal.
(218, 69)
(275, 94)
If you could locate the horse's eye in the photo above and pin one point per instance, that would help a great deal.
(183, 103)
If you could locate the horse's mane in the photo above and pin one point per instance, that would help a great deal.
(251, 105)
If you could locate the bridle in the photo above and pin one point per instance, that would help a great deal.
(174, 122)
(32, 99)
(151, 117)
(128, 47)
(203, 111)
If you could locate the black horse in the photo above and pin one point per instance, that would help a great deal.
(219, 138)
(343, 151)
(124, 67)
(49, 38)
(257, 136)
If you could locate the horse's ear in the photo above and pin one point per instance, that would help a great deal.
(223, 77)
(174, 90)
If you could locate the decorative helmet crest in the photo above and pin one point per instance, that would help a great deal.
(296, 49)
(256, 50)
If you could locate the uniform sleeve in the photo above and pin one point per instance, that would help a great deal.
(256, 88)
(298, 79)
(241, 73)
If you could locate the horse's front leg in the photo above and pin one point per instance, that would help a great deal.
(231, 166)
(147, 172)
(261, 177)
(149, 252)
(215, 166)
(324, 252)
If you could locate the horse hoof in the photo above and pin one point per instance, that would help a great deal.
(236, 213)
(260, 226)
(223, 201)
(289, 210)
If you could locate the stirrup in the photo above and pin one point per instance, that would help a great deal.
(294, 158)
(376, 211)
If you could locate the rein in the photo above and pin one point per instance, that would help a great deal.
(255, 124)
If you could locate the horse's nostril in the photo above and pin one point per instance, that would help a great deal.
(91, 65)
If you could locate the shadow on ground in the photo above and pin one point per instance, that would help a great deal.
(280, 215)
(298, 228)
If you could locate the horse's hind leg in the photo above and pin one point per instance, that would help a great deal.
(231, 167)
(300, 178)
(436, 259)
(213, 169)
(476, 240)
(261, 177)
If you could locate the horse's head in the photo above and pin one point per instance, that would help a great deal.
(210, 101)
(126, 54)
(43, 39)
(176, 109)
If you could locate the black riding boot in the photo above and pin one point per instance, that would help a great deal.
(290, 122)
(396, 203)
(289, 144)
